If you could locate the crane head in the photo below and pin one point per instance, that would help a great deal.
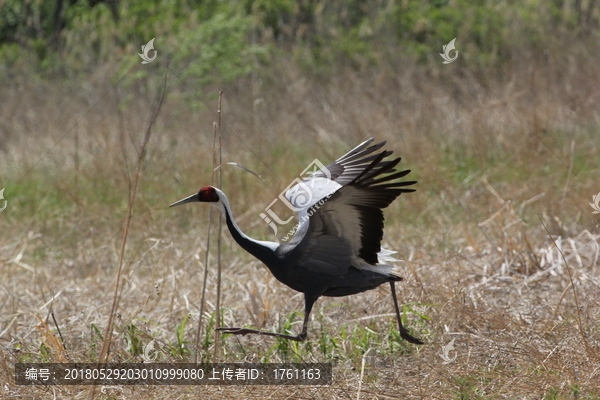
(207, 194)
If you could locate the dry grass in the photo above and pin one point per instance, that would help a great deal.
(495, 163)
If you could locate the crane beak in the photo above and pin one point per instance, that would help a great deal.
(190, 199)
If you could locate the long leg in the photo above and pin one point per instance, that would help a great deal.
(403, 331)
(308, 304)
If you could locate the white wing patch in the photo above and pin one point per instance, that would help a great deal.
(382, 266)
(385, 256)
(305, 194)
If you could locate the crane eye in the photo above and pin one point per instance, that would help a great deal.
(208, 194)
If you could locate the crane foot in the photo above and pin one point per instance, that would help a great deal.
(410, 338)
(246, 331)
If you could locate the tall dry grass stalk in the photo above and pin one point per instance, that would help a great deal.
(218, 154)
(216, 179)
(105, 350)
(204, 281)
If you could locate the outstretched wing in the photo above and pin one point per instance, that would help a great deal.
(345, 217)
(328, 179)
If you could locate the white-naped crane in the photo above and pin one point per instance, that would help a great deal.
(336, 250)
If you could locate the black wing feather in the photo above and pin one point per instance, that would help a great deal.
(368, 186)
(379, 196)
